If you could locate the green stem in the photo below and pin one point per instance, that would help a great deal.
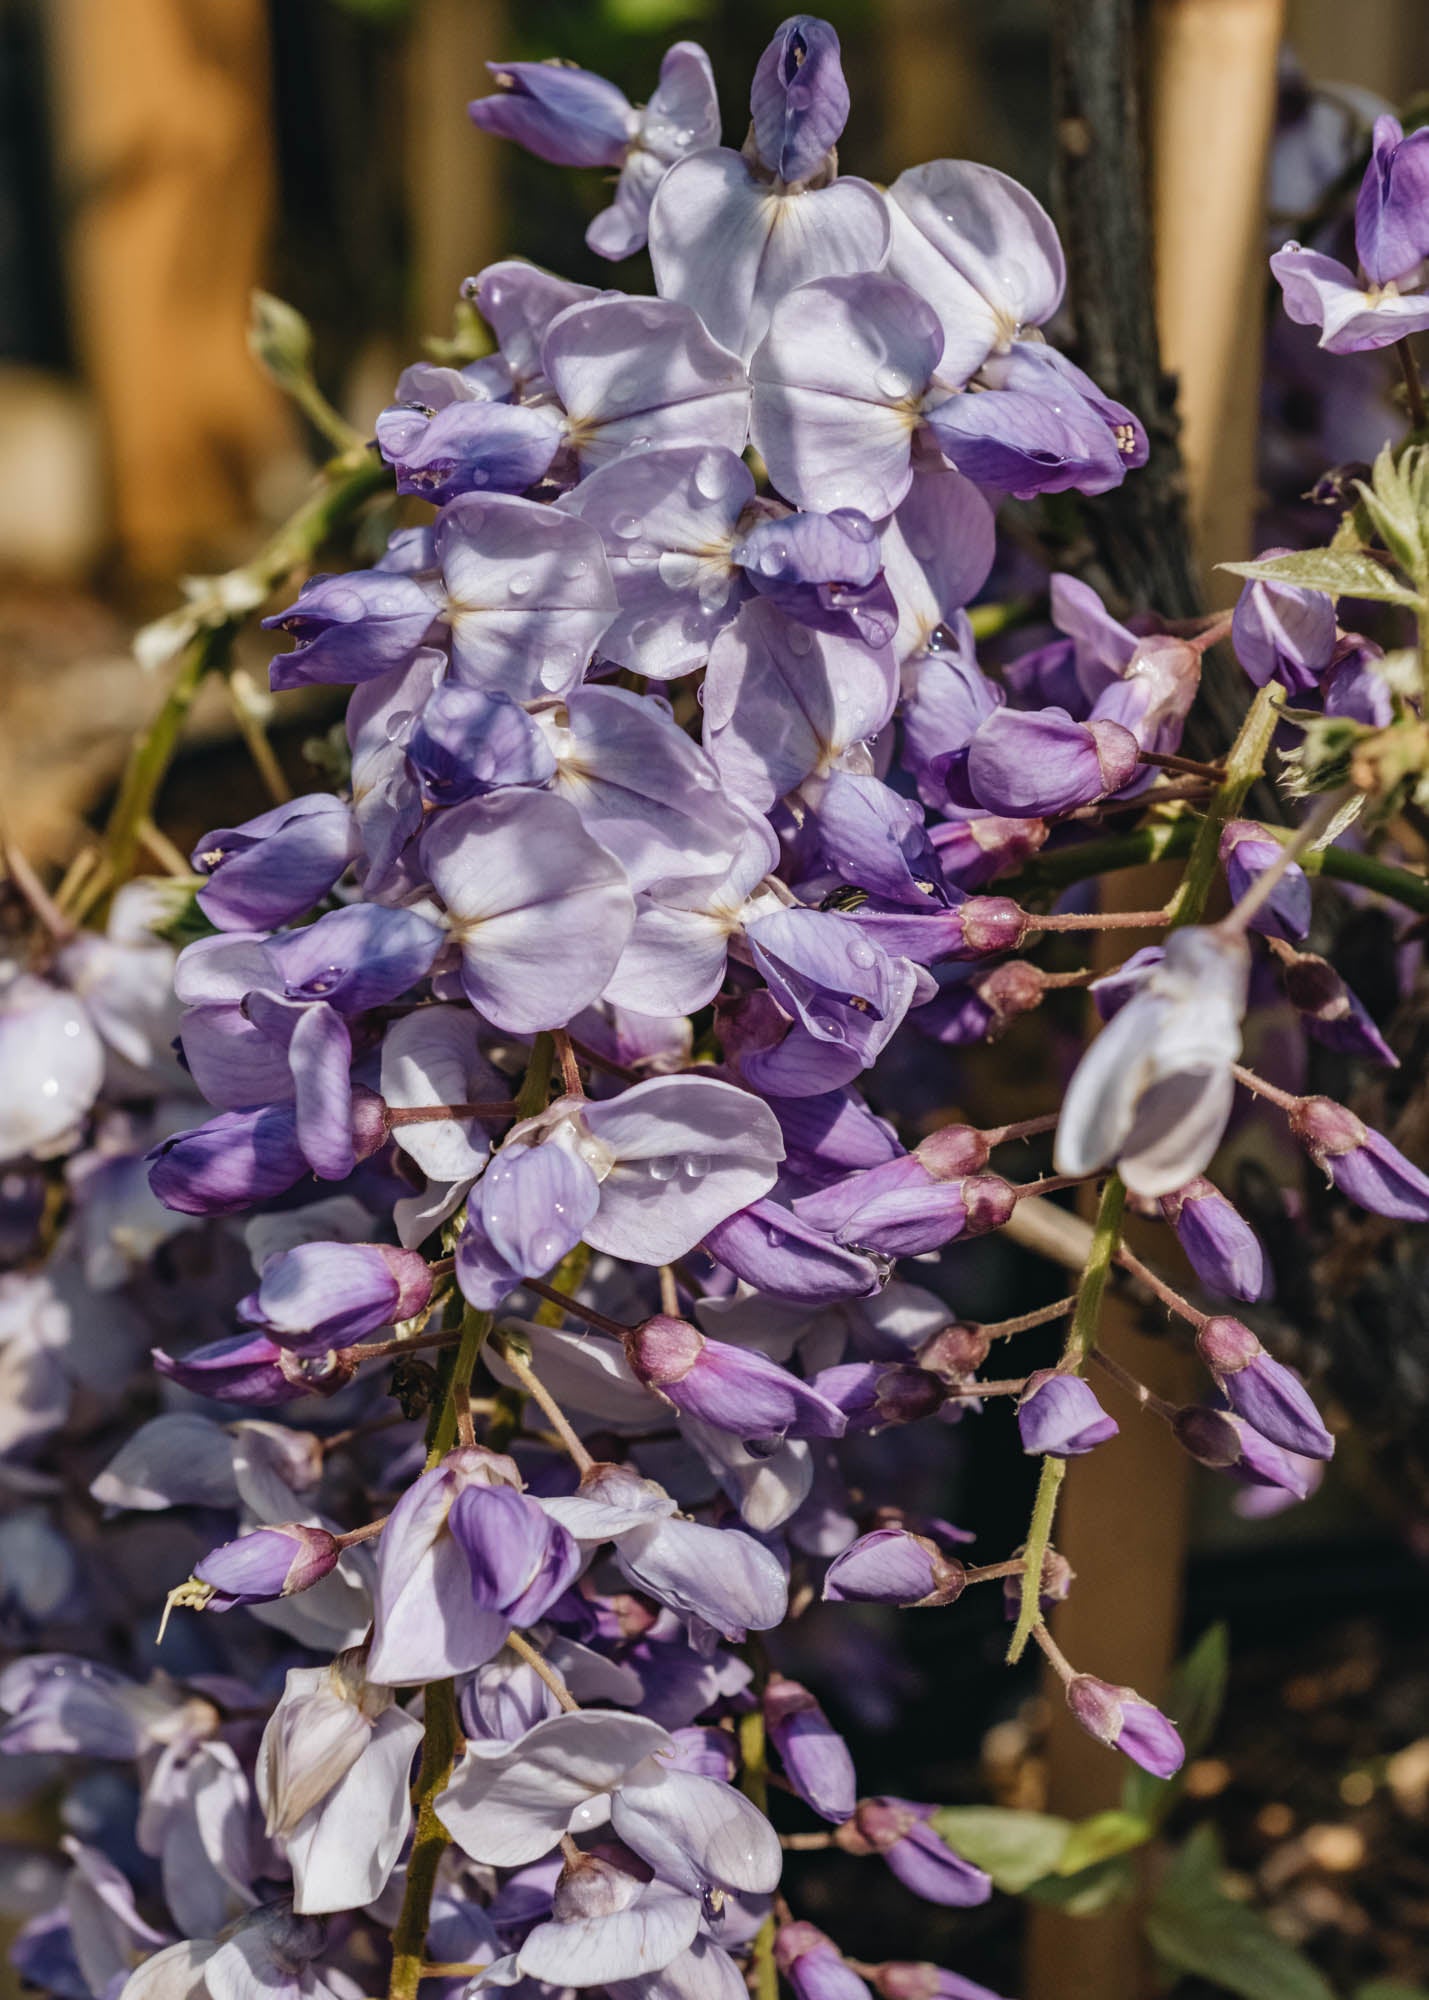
(1081, 1339)
(1244, 763)
(441, 1744)
(535, 1090)
(475, 1326)
(348, 482)
(754, 1783)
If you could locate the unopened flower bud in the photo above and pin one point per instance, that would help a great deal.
(1120, 1718)
(815, 1757)
(891, 1566)
(1008, 991)
(269, 1563)
(1247, 850)
(1332, 1013)
(1221, 1247)
(1058, 1577)
(1060, 1415)
(875, 1394)
(595, 1885)
(898, 1830)
(991, 925)
(901, 1979)
(1269, 1396)
(1226, 1443)
(978, 850)
(1360, 1161)
(953, 1152)
(814, 1966)
(955, 1352)
(736, 1389)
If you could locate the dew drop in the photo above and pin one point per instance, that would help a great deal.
(642, 554)
(893, 383)
(397, 725)
(694, 1166)
(626, 526)
(520, 584)
(664, 1168)
(862, 955)
(712, 475)
(801, 639)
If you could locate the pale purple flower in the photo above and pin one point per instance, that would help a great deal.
(271, 1562)
(526, 593)
(1154, 1091)
(352, 628)
(798, 100)
(1320, 291)
(522, 880)
(441, 444)
(470, 740)
(1283, 632)
(772, 1249)
(275, 867)
(52, 1062)
(814, 1966)
(1332, 1012)
(632, 373)
(1032, 764)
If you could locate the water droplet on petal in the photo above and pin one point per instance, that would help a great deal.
(712, 475)
(863, 955)
(694, 1166)
(626, 526)
(664, 1168)
(893, 383)
(520, 584)
(801, 639)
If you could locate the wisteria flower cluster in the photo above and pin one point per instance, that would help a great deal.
(535, 1294)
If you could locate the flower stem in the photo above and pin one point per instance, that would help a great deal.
(1081, 1338)
(348, 482)
(475, 1326)
(754, 1783)
(540, 1665)
(441, 1744)
(1244, 762)
(541, 1395)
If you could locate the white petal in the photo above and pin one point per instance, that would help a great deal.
(513, 1808)
(656, 1928)
(695, 1831)
(432, 1057)
(343, 1851)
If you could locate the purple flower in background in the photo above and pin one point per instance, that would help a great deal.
(735, 1389)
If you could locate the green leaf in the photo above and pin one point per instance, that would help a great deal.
(654, 17)
(1016, 1848)
(1340, 572)
(1390, 1989)
(1195, 1927)
(1087, 1894)
(1101, 1837)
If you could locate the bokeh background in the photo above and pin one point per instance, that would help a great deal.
(161, 158)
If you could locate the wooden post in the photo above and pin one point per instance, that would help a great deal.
(1123, 1519)
(162, 115)
(1213, 107)
(453, 170)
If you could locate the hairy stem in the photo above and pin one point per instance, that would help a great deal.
(348, 482)
(441, 1745)
(1081, 1338)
